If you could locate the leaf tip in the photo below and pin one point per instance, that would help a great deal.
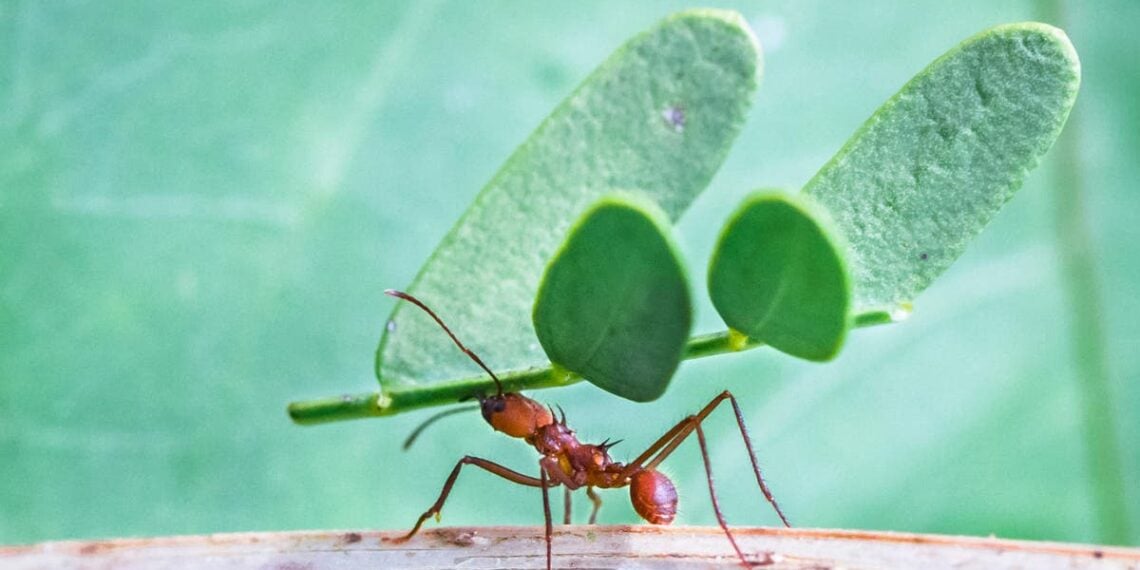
(1049, 35)
(730, 20)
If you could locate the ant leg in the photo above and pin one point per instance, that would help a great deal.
(712, 495)
(667, 443)
(594, 498)
(566, 506)
(549, 465)
(672, 438)
(501, 471)
(752, 456)
(546, 512)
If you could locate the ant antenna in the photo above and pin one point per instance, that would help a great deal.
(467, 351)
(434, 418)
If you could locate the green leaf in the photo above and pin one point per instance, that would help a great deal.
(614, 304)
(778, 276)
(171, 263)
(933, 165)
(660, 114)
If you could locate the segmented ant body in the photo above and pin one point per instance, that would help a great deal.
(569, 463)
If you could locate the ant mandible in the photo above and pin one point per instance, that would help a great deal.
(566, 461)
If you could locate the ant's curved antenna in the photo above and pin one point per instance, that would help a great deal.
(467, 351)
(434, 418)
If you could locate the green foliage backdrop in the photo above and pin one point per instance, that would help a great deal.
(201, 203)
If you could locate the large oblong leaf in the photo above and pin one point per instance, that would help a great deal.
(778, 276)
(660, 115)
(933, 165)
(614, 304)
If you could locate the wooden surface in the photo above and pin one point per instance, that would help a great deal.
(574, 547)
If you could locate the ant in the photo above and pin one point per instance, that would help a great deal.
(566, 461)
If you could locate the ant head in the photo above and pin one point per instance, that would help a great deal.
(514, 414)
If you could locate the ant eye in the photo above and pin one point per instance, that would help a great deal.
(492, 406)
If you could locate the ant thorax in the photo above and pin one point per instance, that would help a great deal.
(555, 439)
(577, 463)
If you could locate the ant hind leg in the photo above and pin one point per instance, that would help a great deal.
(666, 444)
(712, 495)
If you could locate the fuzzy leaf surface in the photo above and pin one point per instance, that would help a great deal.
(660, 115)
(934, 164)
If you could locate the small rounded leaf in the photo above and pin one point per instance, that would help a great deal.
(614, 304)
(778, 276)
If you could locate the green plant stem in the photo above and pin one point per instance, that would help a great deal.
(1083, 292)
(376, 404)
(1082, 289)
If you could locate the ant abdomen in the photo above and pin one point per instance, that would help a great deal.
(653, 496)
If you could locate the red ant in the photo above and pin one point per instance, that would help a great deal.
(566, 461)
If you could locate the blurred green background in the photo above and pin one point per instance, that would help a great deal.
(201, 203)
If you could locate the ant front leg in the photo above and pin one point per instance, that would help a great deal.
(501, 471)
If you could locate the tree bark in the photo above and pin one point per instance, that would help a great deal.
(574, 547)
